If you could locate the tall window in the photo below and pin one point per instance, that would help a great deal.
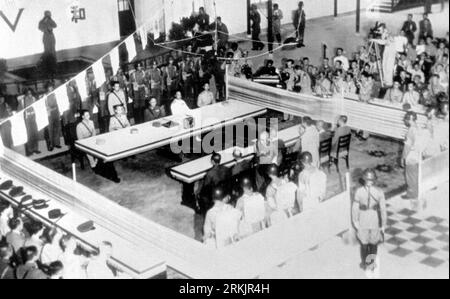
(124, 5)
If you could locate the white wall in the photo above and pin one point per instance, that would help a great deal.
(101, 25)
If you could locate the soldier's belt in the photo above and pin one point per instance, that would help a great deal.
(367, 208)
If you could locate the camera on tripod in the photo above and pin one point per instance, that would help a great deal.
(377, 31)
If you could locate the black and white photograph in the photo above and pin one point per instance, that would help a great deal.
(224, 145)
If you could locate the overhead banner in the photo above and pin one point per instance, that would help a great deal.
(78, 23)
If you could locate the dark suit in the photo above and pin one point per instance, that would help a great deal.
(425, 31)
(154, 114)
(256, 30)
(300, 24)
(410, 28)
(53, 131)
(217, 176)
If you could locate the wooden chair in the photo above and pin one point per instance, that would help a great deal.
(343, 151)
(325, 153)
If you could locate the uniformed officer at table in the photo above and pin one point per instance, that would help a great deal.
(119, 120)
(369, 217)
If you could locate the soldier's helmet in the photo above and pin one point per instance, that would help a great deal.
(246, 183)
(306, 158)
(218, 193)
(370, 175)
(272, 170)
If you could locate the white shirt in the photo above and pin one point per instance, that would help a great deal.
(344, 60)
(179, 107)
(222, 224)
(4, 228)
(253, 207)
(400, 43)
(285, 197)
(50, 253)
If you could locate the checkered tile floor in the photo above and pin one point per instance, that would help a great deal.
(423, 239)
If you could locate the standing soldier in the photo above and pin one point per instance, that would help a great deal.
(277, 17)
(138, 79)
(32, 146)
(116, 97)
(415, 143)
(170, 79)
(222, 221)
(255, 18)
(155, 79)
(53, 131)
(253, 209)
(70, 121)
(369, 218)
(299, 24)
(312, 184)
(85, 129)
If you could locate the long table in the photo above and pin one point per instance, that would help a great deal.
(126, 256)
(193, 171)
(125, 143)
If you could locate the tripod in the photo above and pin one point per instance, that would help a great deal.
(376, 48)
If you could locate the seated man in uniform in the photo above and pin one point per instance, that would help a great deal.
(217, 175)
(206, 97)
(369, 217)
(253, 209)
(86, 129)
(222, 221)
(119, 121)
(312, 184)
(153, 111)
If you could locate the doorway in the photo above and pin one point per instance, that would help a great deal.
(127, 21)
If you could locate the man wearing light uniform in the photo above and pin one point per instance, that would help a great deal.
(369, 217)
(222, 221)
(206, 97)
(253, 209)
(139, 81)
(309, 140)
(86, 129)
(116, 97)
(119, 121)
(312, 184)
(415, 144)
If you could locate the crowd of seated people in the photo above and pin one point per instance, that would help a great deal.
(29, 250)
(419, 70)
